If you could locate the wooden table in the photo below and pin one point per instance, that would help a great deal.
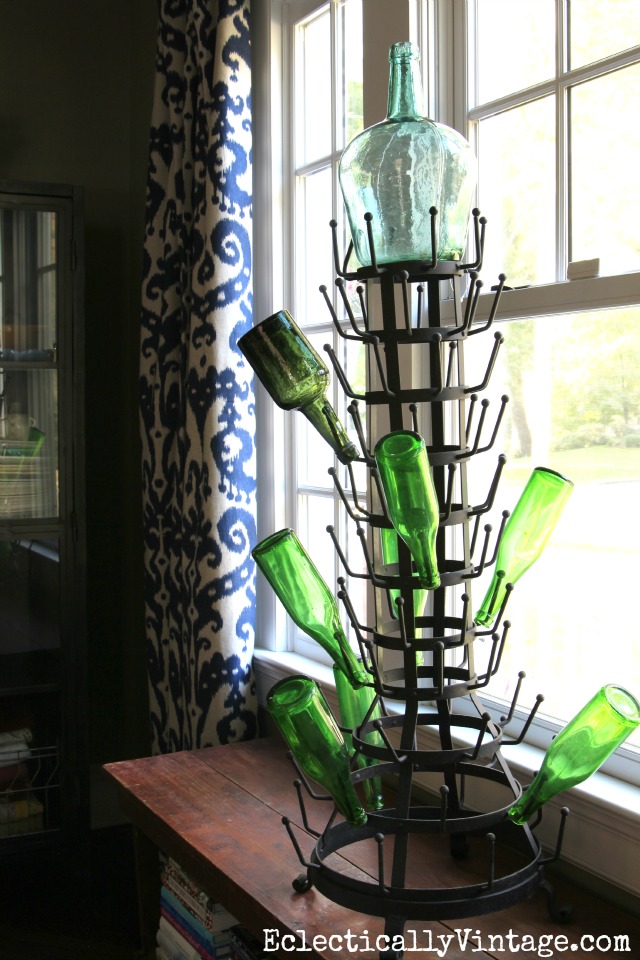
(218, 812)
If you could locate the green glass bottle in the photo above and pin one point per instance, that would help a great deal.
(312, 734)
(580, 748)
(401, 458)
(354, 705)
(307, 598)
(525, 535)
(296, 377)
(399, 168)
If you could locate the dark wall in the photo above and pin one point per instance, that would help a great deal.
(76, 82)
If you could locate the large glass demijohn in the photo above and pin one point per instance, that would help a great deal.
(400, 168)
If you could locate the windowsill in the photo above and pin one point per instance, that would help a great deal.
(602, 835)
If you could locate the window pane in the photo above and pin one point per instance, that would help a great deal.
(314, 456)
(516, 45)
(314, 515)
(605, 152)
(28, 443)
(517, 193)
(28, 288)
(313, 245)
(598, 29)
(574, 388)
(349, 93)
(313, 93)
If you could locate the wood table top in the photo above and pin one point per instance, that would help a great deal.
(218, 812)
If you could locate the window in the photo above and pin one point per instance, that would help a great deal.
(570, 359)
(571, 352)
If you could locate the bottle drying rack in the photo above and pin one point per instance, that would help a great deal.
(437, 650)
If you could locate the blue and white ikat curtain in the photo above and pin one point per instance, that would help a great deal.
(196, 399)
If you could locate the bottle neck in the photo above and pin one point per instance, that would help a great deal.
(322, 415)
(406, 101)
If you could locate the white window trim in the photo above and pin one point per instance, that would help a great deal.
(603, 831)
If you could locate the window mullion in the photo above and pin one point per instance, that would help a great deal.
(562, 145)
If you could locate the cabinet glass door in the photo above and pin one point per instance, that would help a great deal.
(28, 363)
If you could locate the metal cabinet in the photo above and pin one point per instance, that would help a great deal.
(43, 783)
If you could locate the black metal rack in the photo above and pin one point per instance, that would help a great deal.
(426, 690)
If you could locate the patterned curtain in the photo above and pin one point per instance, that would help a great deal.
(196, 394)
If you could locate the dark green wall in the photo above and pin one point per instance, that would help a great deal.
(76, 82)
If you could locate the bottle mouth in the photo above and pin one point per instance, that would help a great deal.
(271, 541)
(399, 445)
(277, 321)
(290, 694)
(623, 703)
(547, 471)
(405, 50)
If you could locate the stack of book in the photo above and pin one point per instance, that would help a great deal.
(244, 946)
(192, 926)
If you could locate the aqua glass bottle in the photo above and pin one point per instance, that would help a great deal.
(525, 535)
(307, 598)
(580, 748)
(314, 738)
(295, 377)
(412, 503)
(400, 168)
(354, 705)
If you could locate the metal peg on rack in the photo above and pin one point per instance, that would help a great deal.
(503, 523)
(303, 810)
(334, 475)
(479, 224)
(504, 400)
(334, 317)
(296, 846)
(494, 307)
(368, 219)
(420, 291)
(340, 284)
(564, 813)
(390, 747)
(483, 556)
(341, 270)
(507, 593)
(342, 377)
(354, 410)
(473, 294)
(484, 726)
(498, 341)
(508, 718)
(444, 803)
(493, 489)
(453, 350)
(528, 722)
(379, 838)
(403, 277)
(491, 843)
(451, 472)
